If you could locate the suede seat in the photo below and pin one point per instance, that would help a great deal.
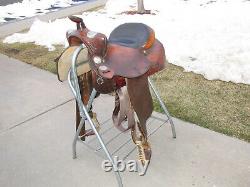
(132, 35)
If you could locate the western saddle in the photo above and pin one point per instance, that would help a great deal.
(120, 64)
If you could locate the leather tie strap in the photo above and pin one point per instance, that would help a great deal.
(123, 110)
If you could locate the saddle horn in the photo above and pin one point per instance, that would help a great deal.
(79, 22)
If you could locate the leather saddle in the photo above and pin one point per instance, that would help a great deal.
(122, 64)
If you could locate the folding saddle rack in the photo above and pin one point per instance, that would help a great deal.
(73, 82)
(127, 59)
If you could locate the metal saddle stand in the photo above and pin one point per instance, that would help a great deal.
(73, 82)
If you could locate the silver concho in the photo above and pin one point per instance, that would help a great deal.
(97, 60)
(91, 34)
(103, 68)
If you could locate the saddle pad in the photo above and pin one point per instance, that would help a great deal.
(65, 61)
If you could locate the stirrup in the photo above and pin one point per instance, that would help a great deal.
(144, 151)
(90, 132)
(143, 147)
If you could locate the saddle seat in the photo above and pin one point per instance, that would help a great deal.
(132, 35)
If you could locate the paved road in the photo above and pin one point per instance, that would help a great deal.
(17, 26)
(6, 2)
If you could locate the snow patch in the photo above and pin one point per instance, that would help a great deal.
(211, 38)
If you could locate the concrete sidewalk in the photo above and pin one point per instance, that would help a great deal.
(37, 115)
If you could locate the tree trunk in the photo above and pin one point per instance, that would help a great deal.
(140, 7)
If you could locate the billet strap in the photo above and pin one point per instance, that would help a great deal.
(123, 110)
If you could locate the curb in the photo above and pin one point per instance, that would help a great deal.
(17, 26)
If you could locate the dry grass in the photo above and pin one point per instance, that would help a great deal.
(217, 105)
(32, 54)
(220, 106)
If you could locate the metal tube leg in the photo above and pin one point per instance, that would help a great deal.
(91, 99)
(83, 118)
(163, 106)
(76, 137)
(117, 173)
(86, 116)
(84, 112)
(73, 83)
